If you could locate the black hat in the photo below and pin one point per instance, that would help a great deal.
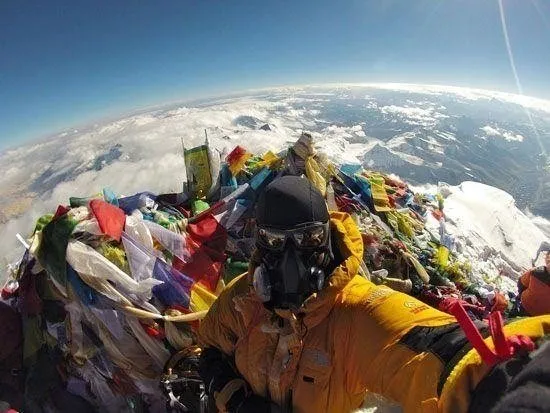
(289, 201)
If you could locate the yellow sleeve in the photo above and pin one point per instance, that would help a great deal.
(222, 325)
(376, 359)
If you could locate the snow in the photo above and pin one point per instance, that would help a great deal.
(399, 140)
(446, 135)
(433, 145)
(542, 223)
(415, 160)
(495, 235)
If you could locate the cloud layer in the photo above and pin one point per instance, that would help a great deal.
(143, 152)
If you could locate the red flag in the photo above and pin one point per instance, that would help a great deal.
(110, 218)
(236, 159)
(61, 210)
(208, 231)
(206, 242)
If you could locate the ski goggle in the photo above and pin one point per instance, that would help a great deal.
(308, 236)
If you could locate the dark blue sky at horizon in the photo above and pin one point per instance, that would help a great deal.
(65, 63)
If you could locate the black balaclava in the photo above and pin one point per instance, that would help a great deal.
(286, 278)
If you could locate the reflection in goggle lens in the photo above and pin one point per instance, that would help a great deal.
(312, 236)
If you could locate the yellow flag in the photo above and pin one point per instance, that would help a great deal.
(442, 256)
(197, 166)
(201, 298)
(313, 174)
(379, 195)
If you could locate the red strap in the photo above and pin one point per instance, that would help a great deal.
(472, 333)
(499, 340)
(505, 347)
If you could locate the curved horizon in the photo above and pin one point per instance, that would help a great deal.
(70, 63)
(420, 132)
(529, 102)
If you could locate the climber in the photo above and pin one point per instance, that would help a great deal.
(301, 331)
(534, 289)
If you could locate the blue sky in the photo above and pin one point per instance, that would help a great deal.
(65, 63)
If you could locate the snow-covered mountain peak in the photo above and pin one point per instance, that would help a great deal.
(496, 237)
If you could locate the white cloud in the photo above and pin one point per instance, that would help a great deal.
(489, 130)
(463, 92)
(508, 136)
(414, 115)
(150, 155)
(150, 146)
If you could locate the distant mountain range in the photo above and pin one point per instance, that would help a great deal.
(425, 134)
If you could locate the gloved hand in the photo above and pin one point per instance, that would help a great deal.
(520, 384)
(529, 391)
(217, 370)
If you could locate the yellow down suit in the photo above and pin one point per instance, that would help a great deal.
(352, 337)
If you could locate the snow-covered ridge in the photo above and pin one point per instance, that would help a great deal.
(499, 240)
